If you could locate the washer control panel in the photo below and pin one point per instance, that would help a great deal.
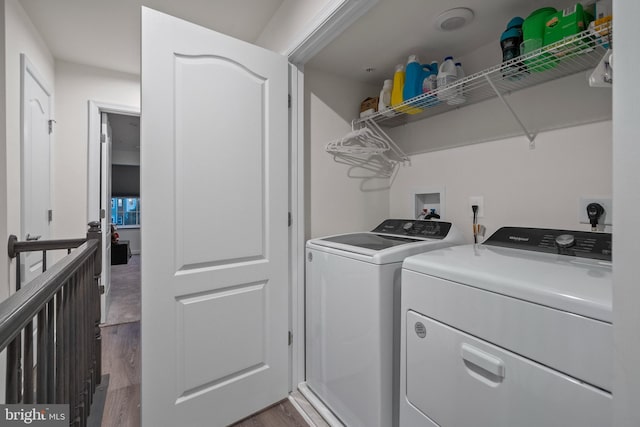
(582, 244)
(415, 228)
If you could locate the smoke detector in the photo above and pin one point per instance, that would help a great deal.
(454, 19)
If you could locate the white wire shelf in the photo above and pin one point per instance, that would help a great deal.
(569, 56)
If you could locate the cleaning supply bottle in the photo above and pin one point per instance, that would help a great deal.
(458, 92)
(398, 85)
(430, 84)
(384, 102)
(446, 75)
(396, 92)
(510, 42)
(413, 78)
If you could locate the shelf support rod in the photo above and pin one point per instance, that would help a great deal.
(530, 136)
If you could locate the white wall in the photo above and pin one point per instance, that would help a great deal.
(626, 201)
(125, 157)
(521, 187)
(291, 21)
(337, 203)
(133, 236)
(4, 234)
(76, 85)
(20, 37)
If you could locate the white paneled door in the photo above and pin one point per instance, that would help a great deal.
(35, 192)
(214, 185)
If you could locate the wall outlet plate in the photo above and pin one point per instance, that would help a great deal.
(606, 218)
(477, 200)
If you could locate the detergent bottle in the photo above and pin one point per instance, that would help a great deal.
(397, 96)
(430, 84)
(413, 78)
(458, 92)
(384, 102)
(398, 85)
(446, 75)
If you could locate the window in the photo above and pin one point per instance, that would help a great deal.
(125, 211)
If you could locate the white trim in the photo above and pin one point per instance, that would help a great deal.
(95, 109)
(26, 66)
(93, 149)
(319, 406)
(332, 20)
(301, 411)
(297, 230)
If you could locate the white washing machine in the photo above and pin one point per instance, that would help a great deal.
(352, 285)
(513, 332)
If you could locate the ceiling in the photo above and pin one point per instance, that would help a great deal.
(106, 33)
(395, 29)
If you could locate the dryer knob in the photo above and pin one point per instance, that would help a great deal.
(565, 240)
(407, 226)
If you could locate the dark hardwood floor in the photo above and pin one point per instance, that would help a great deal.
(121, 361)
(282, 414)
(121, 347)
(125, 292)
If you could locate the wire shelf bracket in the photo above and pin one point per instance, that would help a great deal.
(530, 136)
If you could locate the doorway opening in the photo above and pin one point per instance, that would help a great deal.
(122, 205)
(114, 200)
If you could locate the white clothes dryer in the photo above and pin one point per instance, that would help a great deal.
(513, 332)
(352, 317)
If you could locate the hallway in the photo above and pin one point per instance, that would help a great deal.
(121, 347)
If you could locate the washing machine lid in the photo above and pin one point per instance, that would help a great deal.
(569, 283)
(391, 241)
(376, 242)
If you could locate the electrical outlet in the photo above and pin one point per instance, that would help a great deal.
(607, 216)
(477, 200)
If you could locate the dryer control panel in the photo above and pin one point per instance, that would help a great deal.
(415, 228)
(582, 244)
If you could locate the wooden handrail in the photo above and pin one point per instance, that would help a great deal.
(65, 300)
(21, 307)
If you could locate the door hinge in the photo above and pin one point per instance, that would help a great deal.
(103, 138)
(51, 122)
(50, 215)
(290, 219)
(290, 337)
(101, 289)
(289, 100)
(103, 213)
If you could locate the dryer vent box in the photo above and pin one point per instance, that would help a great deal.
(429, 199)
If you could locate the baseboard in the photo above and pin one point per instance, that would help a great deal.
(319, 407)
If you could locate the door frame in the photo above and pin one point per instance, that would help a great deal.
(328, 24)
(95, 173)
(27, 67)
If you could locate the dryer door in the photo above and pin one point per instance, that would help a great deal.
(458, 380)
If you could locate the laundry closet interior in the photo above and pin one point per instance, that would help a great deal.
(473, 150)
(527, 152)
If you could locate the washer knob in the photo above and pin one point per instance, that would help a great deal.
(407, 226)
(565, 240)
